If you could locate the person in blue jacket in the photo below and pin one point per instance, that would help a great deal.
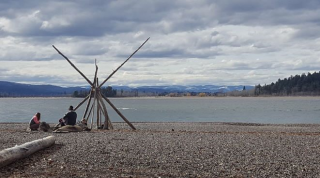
(70, 118)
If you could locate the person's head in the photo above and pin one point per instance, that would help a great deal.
(38, 115)
(70, 108)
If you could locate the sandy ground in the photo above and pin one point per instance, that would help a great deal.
(170, 150)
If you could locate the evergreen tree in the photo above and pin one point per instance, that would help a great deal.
(304, 84)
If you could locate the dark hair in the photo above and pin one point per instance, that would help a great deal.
(71, 108)
(38, 115)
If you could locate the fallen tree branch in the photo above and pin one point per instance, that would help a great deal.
(11, 155)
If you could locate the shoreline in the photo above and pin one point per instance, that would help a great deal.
(170, 149)
(183, 122)
(166, 97)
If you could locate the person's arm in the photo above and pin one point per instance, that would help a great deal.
(66, 117)
(36, 119)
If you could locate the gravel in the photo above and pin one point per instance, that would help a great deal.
(170, 150)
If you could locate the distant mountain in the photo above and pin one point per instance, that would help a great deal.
(27, 90)
(181, 88)
(22, 90)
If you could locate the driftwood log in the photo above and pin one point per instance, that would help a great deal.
(13, 154)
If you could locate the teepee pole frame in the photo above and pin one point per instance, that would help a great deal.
(98, 104)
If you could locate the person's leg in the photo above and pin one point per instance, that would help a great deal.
(62, 123)
(34, 127)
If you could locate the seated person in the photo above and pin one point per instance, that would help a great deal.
(35, 122)
(70, 118)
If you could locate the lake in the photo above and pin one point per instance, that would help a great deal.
(274, 110)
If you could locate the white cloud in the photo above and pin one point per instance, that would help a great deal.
(192, 42)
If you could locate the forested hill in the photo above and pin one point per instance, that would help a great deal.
(304, 84)
(10, 89)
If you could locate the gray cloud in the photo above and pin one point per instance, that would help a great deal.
(187, 38)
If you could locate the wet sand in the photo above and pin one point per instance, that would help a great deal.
(170, 150)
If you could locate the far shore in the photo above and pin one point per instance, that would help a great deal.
(191, 123)
(167, 97)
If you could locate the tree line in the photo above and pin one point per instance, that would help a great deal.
(304, 84)
(106, 91)
(110, 92)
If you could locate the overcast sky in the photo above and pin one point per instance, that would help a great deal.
(218, 42)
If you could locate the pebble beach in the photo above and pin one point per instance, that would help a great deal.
(170, 150)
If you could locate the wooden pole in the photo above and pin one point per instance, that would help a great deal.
(73, 66)
(92, 116)
(102, 110)
(88, 104)
(84, 100)
(107, 122)
(122, 116)
(98, 114)
(122, 64)
(10, 155)
(93, 106)
(97, 94)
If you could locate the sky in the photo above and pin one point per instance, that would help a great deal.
(199, 42)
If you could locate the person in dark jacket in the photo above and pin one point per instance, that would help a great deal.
(70, 118)
(35, 122)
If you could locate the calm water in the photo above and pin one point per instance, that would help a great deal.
(254, 110)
